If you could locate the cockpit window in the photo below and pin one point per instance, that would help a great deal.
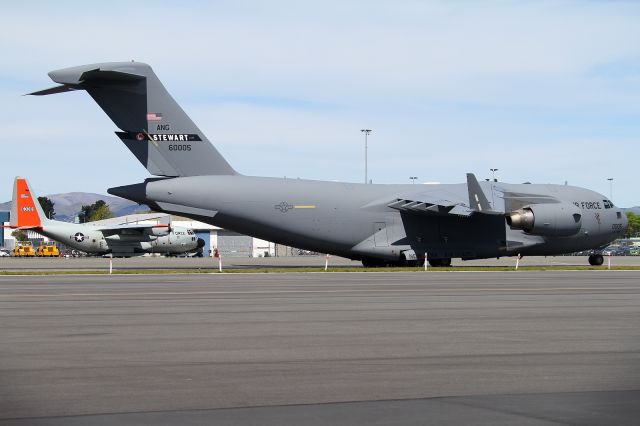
(607, 204)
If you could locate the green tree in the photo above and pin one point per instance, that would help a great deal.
(85, 213)
(634, 225)
(20, 235)
(47, 207)
(96, 211)
(101, 212)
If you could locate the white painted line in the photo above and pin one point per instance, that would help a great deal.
(276, 292)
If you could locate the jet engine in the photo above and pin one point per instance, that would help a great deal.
(557, 219)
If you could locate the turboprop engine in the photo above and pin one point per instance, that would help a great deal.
(556, 219)
(158, 231)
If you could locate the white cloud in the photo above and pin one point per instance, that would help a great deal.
(538, 89)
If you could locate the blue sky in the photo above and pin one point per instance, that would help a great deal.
(546, 92)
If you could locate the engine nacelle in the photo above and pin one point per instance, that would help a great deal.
(158, 231)
(557, 220)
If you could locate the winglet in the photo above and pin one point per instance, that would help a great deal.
(477, 199)
(25, 208)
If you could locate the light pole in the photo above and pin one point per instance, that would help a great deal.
(413, 179)
(493, 174)
(610, 188)
(366, 134)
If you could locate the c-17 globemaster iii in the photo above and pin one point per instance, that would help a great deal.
(120, 240)
(377, 224)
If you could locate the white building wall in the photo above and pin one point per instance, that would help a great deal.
(262, 248)
(259, 247)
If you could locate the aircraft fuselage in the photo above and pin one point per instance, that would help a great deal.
(90, 239)
(354, 220)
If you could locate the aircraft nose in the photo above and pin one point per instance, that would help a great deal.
(625, 223)
(200, 243)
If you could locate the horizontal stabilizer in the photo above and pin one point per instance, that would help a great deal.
(53, 90)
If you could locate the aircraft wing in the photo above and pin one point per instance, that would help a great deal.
(30, 227)
(131, 229)
(428, 205)
(132, 219)
(425, 204)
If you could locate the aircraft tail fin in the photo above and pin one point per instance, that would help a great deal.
(153, 126)
(26, 211)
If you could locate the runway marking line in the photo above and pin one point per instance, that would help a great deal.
(194, 293)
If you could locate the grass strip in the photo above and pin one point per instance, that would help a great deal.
(310, 269)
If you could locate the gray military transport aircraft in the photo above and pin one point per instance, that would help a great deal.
(377, 224)
(120, 240)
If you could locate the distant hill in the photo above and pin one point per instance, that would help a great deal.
(68, 205)
(635, 210)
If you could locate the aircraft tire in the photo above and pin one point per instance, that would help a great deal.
(596, 260)
(435, 262)
(372, 263)
(446, 261)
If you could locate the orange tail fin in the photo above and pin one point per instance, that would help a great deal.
(25, 209)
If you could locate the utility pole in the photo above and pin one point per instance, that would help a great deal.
(610, 188)
(366, 174)
(493, 173)
(413, 179)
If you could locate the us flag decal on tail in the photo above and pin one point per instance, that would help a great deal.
(154, 116)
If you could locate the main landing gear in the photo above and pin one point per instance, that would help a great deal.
(596, 260)
(374, 263)
(446, 261)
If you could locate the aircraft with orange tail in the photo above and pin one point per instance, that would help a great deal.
(121, 240)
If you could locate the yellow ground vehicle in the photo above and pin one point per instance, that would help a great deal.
(23, 249)
(47, 249)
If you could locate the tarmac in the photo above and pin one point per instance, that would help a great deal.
(153, 262)
(494, 348)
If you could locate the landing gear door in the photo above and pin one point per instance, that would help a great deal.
(380, 234)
